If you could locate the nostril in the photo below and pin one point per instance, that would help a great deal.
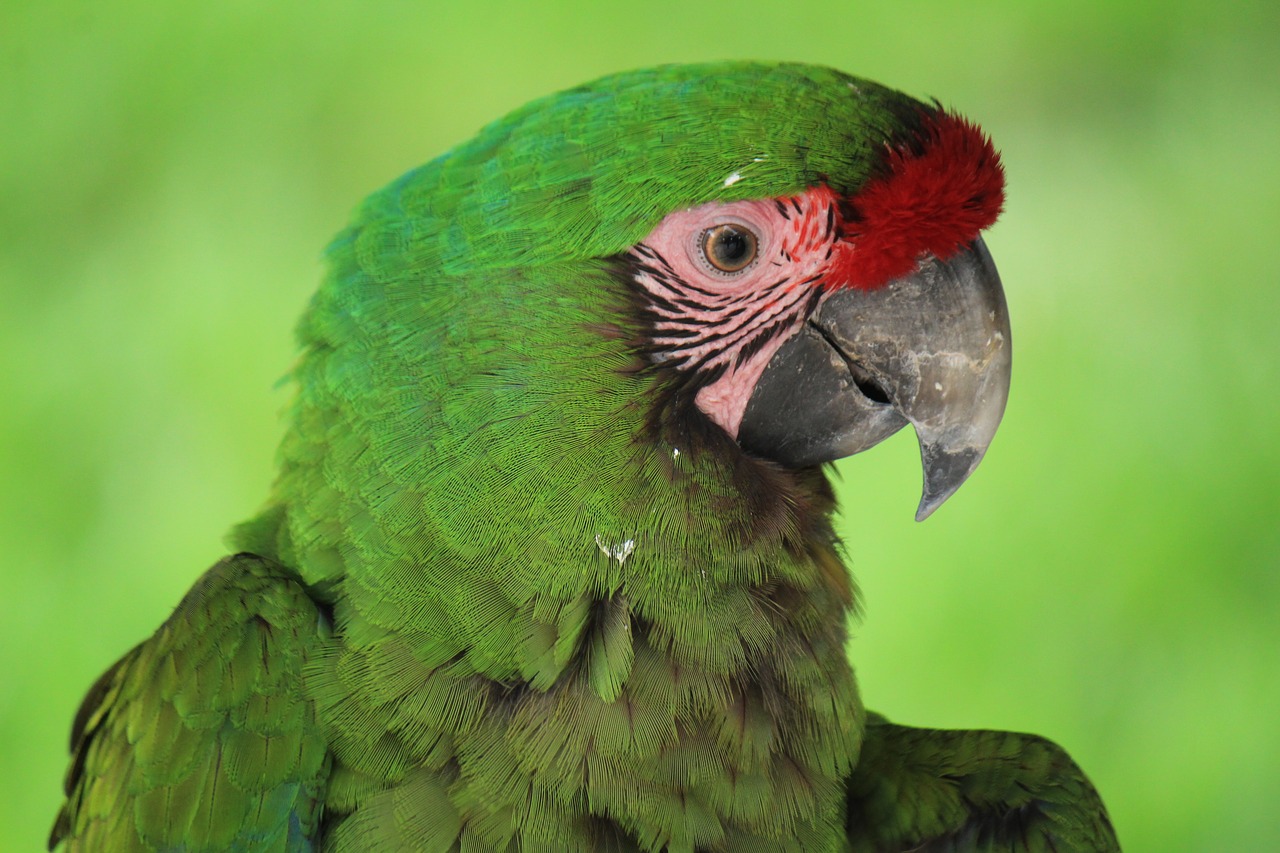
(870, 388)
(862, 378)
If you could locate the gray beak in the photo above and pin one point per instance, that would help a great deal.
(931, 349)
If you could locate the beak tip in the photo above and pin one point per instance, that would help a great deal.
(926, 508)
(945, 471)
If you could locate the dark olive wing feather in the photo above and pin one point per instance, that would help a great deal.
(200, 738)
(932, 791)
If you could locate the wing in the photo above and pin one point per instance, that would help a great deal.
(200, 738)
(932, 791)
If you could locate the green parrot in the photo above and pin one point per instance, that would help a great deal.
(549, 562)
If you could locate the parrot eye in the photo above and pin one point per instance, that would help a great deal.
(729, 248)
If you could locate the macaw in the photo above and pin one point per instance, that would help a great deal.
(549, 563)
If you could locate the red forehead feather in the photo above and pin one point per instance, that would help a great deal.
(934, 197)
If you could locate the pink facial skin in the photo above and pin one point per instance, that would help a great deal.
(733, 323)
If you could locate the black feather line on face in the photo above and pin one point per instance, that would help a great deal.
(755, 344)
(688, 285)
(661, 302)
(727, 330)
(811, 301)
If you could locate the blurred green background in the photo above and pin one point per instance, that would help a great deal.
(1109, 578)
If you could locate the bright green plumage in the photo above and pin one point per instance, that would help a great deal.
(507, 594)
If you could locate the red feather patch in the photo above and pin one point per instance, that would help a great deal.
(933, 197)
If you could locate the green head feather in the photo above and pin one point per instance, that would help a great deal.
(587, 172)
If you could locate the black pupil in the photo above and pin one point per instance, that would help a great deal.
(731, 247)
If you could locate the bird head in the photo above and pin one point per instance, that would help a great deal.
(763, 267)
